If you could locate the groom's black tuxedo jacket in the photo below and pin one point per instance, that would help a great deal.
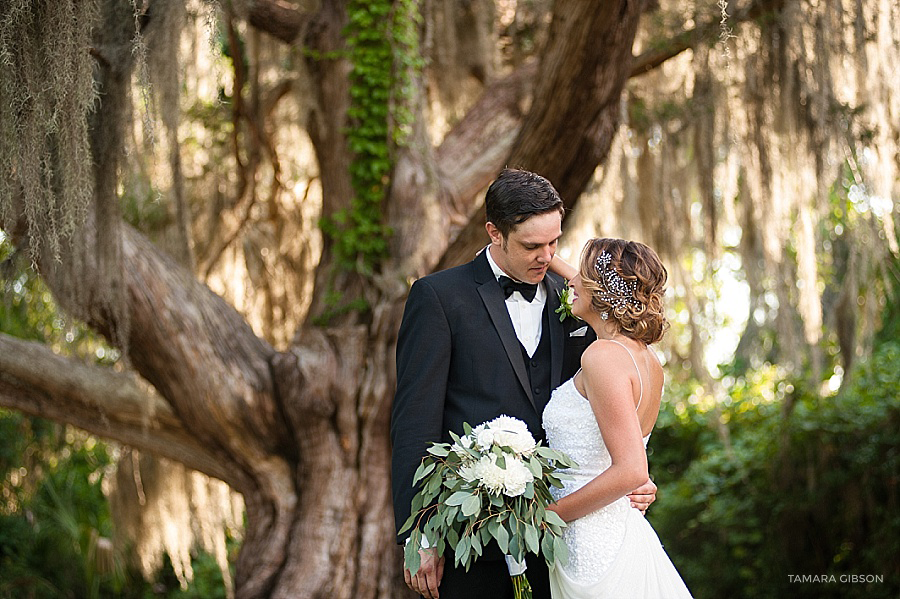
(459, 360)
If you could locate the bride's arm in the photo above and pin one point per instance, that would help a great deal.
(563, 268)
(612, 399)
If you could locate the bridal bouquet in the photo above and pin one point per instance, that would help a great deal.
(493, 483)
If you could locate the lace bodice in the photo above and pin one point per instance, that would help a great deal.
(571, 426)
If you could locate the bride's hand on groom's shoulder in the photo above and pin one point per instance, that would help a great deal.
(428, 577)
(562, 268)
(643, 496)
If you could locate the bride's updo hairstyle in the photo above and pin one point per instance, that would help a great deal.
(627, 282)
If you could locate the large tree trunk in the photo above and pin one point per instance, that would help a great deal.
(302, 435)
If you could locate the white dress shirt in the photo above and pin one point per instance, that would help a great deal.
(526, 316)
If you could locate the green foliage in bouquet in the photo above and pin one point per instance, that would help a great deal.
(493, 483)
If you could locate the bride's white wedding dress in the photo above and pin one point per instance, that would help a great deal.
(613, 552)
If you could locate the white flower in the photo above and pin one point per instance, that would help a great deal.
(468, 472)
(511, 480)
(484, 436)
(566, 301)
(517, 477)
(489, 474)
(513, 433)
(460, 447)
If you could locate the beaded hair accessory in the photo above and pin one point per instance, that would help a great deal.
(619, 292)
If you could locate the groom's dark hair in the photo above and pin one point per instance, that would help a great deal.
(516, 195)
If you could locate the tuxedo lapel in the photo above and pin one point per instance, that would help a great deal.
(553, 286)
(495, 304)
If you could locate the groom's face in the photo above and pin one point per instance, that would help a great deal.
(525, 253)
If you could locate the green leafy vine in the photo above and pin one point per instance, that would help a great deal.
(383, 48)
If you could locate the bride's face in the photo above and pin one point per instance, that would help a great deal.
(581, 303)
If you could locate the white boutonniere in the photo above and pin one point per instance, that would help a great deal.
(565, 303)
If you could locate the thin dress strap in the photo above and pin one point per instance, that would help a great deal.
(641, 397)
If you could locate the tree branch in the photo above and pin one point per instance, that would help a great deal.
(465, 174)
(194, 348)
(110, 404)
(200, 354)
(279, 19)
(471, 155)
(574, 110)
(435, 193)
(688, 39)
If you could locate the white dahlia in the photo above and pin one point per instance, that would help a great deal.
(511, 480)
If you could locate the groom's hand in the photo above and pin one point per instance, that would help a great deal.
(643, 496)
(428, 578)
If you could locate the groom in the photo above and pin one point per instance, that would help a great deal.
(478, 341)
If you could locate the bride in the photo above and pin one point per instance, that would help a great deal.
(602, 417)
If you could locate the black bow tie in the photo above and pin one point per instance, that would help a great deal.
(528, 290)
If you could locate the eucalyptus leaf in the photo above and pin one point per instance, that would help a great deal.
(450, 514)
(471, 505)
(553, 480)
(534, 465)
(411, 557)
(545, 452)
(560, 550)
(476, 544)
(529, 491)
(408, 524)
(491, 527)
(417, 503)
(502, 536)
(424, 469)
(553, 518)
(547, 546)
(458, 498)
(515, 550)
(432, 487)
(462, 550)
(485, 534)
(531, 539)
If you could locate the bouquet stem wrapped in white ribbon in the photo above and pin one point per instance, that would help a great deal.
(491, 484)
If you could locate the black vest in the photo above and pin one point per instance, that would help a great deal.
(538, 365)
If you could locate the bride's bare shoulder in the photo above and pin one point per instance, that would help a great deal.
(604, 359)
